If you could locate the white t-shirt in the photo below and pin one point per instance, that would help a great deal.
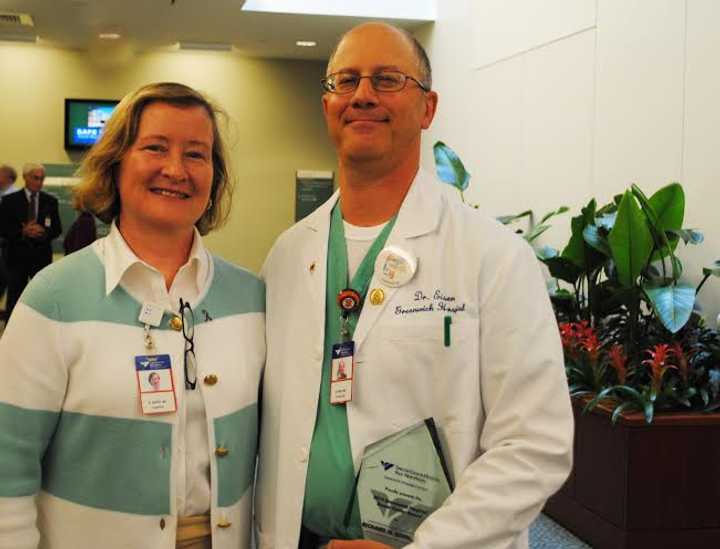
(358, 241)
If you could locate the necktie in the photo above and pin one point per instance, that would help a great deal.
(32, 208)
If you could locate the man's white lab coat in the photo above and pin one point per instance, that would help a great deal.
(497, 393)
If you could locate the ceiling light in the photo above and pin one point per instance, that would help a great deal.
(306, 43)
(109, 36)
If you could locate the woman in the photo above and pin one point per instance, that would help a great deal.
(88, 459)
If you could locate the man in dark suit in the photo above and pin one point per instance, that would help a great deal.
(29, 221)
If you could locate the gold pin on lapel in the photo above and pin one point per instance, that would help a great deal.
(377, 296)
(311, 268)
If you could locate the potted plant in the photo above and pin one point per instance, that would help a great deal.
(643, 370)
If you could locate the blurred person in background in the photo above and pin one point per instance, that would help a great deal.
(29, 222)
(8, 175)
(81, 233)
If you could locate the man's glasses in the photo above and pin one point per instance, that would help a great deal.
(385, 81)
(188, 329)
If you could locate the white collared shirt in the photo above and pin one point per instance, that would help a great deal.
(145, 283)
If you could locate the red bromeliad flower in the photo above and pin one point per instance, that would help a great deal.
(592, 345)
(618, 361)
(658, 364)
(577, 337)
(567, 335)
(572, 333)
(682, 360)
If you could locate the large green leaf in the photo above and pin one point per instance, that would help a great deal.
(665, 211)
(588, 212)
(673, 304)
(630, 241)
(449, 167)
(575, 251)
(669, 206)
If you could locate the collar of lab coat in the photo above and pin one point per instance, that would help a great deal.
(419, 214)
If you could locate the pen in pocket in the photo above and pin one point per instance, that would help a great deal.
(446, 331)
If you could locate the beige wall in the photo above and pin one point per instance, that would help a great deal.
(275, 122)
(552, 103)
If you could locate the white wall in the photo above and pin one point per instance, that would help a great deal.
(275, 124)
(552, 102)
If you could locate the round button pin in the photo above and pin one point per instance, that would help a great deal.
(395, 267)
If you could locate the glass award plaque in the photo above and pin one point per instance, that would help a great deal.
(403, 478)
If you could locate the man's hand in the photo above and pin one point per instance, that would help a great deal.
(356, 544)
(33, 230)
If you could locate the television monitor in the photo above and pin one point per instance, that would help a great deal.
(85, 120)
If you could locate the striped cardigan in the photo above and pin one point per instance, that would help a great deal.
(80, 466)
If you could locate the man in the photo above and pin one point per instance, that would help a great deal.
(455, 326)
(8, 175)
(29, 221)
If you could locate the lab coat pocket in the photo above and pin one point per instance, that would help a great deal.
(434, 363)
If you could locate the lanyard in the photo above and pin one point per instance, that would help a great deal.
(338, 267)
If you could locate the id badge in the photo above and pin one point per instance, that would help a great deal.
(48, 222)
(156, 386)
(341, 372)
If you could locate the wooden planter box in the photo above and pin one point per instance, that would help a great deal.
(637, 486)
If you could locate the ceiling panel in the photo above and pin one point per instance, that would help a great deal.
(147, 24)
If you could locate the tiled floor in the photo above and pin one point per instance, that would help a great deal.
(547, 534)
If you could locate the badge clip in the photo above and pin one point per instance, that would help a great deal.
(147, 337)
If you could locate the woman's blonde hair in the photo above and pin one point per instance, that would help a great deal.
(98, 190)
